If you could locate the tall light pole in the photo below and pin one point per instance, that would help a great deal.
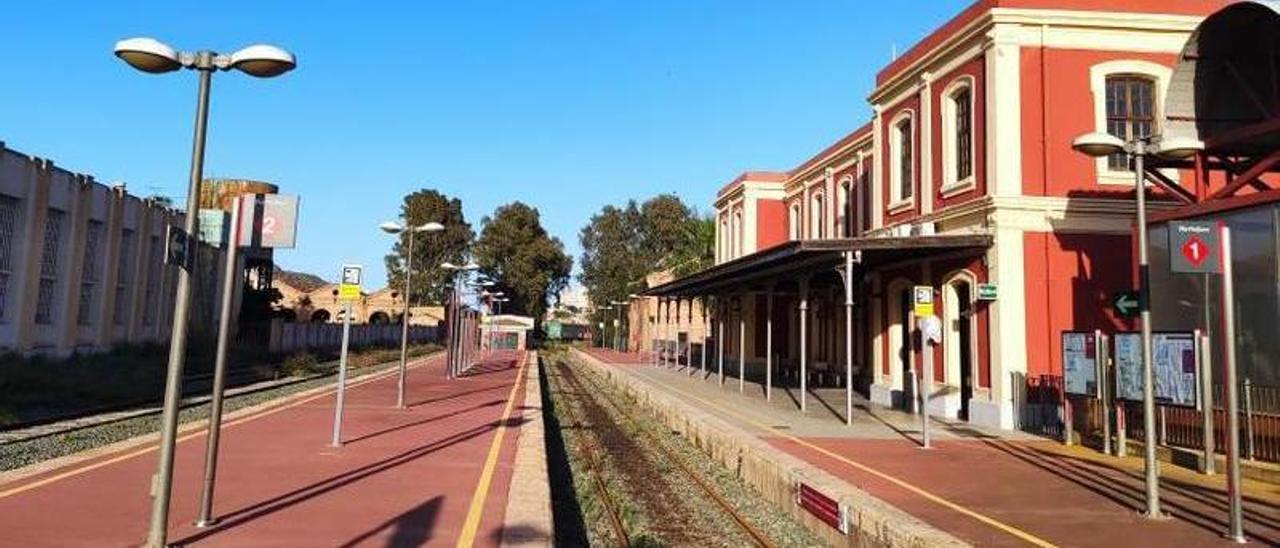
(155, 57)
(1100, 145)
(394, 228)
(604, 326)
(455, 325)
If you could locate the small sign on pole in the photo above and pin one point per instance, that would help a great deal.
(349, 286)
(269, 220)
(1125, 303)
(1194, 247)
(923, 299)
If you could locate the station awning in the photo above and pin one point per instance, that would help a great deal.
(800, 256)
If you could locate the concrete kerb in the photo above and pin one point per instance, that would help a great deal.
(527, 520)
(774, 473)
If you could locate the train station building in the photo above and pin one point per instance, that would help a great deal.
(965, 180)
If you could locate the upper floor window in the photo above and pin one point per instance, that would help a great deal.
(844, 215)
(957, 131)
(89, 273)
(793, 220)
(45, 291)
(1130, 112)
(121, 306)
(902, 160)
(737, 234)
(8, 234)
(817, 228)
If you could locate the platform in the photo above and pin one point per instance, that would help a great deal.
(985, 487)
(436, 473)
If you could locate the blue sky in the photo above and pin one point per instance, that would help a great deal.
(567, 106)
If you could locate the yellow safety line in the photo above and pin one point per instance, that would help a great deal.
(894, 480)
(472, 524)
(152, 446)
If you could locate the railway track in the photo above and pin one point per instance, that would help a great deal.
(585, 386)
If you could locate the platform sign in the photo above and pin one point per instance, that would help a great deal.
(1125, 303)
(214, 226)
(1173, 360)
(269, 220)
(922, 298)
(1194, 247)
(988, 292)
(349, 286)
(1080, 363)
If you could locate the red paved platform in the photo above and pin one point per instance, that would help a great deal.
(1035, 488)
(403, 477)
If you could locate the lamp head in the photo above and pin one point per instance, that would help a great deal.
(448, 266)
(1179, 148)
(429, 227)
(263, 61)
(471, 266)
(391, 227)
(148, 55)
(1098, 144)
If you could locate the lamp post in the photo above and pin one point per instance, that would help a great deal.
(617, 325)
(155, 57)
(604, 326)
(398, 229)
(1099, 145)
(455, 324)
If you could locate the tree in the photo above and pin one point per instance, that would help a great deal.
(620, 246)
(526, 263)
(430, 282)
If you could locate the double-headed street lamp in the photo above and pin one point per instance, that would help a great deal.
(155, 57)
(1100, 145)
(395, 228)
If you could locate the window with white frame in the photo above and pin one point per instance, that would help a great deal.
(902, 159)
(1130, 112)
(1128, 101)
(737, 235)
(121, 304)
(89, 273)
(46, 291)
(957, 131)
(818, 221)
(794, 221)
(724, 239)
(844, 215)
(8, 234)
(154, 258)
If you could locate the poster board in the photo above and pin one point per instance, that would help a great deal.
(1173, 356)
(1080, 363)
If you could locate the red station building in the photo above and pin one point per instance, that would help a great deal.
(965, 180)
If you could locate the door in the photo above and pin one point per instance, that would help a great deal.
(964, 340)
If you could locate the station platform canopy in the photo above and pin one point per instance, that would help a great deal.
(799, 257)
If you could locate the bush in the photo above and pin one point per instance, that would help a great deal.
(301, 364)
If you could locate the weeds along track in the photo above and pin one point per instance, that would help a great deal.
(657, 497)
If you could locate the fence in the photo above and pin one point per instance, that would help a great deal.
(290, 337)
(1039, 400)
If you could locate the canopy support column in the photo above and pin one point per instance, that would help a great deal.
(742, 343)
(720, 337)
(768, 345)
(706, 333)
(804, 345)
(848, 337)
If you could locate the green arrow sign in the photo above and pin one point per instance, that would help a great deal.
(1125, 303)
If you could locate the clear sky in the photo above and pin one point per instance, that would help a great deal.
(567, 106)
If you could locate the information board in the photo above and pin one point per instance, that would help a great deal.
(1173, 357)
(1080, 363)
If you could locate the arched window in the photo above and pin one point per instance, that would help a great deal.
(817, 225)
(902, 160)
(724, 239)
(1131, 112)
(844, 215)
(738, 250)
(957, 131)
(793, 220)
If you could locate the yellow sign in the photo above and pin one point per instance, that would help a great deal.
(922, 295)
(349, 286)
(348, 292)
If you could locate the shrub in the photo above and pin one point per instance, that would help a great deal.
(300, 364)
